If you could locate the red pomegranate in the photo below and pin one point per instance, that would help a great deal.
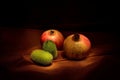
(54, 35)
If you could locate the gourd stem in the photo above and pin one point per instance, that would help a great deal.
(76, 37)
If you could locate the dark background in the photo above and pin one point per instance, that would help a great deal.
(48, 11)
(70, 14)
(87, 15)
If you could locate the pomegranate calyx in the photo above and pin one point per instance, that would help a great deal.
(51, 32)
(76, 37)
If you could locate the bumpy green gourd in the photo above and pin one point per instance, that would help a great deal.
(50, 46)
(41, 57)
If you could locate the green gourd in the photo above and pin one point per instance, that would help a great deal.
(50, 46)
(41, 57)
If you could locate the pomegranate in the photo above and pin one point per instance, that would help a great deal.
(76, 46)
(54, 35)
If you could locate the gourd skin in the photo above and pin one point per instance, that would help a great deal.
(50, 46)
(41, 57)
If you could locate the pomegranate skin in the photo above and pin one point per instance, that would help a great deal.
(76, 46)
(54, 35)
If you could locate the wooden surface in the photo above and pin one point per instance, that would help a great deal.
(17, 44)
